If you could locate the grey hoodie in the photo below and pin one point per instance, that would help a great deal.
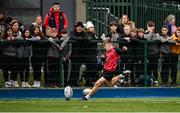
(55, 48)
(10, 49)
(165, 44)
(153, 48)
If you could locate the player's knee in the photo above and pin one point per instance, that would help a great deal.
(97, 84)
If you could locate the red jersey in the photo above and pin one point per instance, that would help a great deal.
(112, 57)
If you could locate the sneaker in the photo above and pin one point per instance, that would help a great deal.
(16, 85)
(7, 84)
(126, 72)
(27, 85)
(67, 99)
(35, 84)
(156, 83)
(84, 98)
(38, 84)
(23, 85)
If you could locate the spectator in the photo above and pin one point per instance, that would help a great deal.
(66, 51)
(165, 54)
(78, 51)
(2, 24)
(122, 22)
(9, 60)
(130, 55)
(175, 50)
(24, 53)
(91, 59)
(153, 51)
(17, 34)
(124, 41)
(2, 32)
(56, 18)
(139, 53)
(52, 79)
(38, 22)
(170, 22)
(113, 35)
(38, 55)
(16, 29)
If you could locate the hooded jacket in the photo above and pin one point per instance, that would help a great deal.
(175, 48)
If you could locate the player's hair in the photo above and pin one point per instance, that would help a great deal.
(107, 41)
(56, 3)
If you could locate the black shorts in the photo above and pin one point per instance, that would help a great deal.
(109, 75)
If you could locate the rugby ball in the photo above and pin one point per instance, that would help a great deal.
(68, 92)
(86, 91)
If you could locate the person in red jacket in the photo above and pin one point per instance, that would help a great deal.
(109, 68)
(56, 19)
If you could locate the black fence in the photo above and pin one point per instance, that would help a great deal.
(83, 67)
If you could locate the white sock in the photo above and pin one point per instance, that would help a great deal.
(87, 96)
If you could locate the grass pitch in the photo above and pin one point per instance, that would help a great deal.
(93, 105)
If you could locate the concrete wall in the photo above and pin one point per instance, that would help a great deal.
(80, 10)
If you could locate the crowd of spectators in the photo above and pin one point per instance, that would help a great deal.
(82, 60)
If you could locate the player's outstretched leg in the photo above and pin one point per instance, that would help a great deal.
(98, 83)
(120, 76)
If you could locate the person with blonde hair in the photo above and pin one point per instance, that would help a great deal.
(170, 22)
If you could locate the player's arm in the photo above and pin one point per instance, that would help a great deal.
(121, 50)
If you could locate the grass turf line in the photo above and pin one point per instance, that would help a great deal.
(93, 105)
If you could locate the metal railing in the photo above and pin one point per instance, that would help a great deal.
(78, 79)
(101, 12)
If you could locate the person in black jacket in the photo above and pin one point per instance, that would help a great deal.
(78, 50)
(139, 54)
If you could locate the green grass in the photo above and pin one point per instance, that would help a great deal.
(42, 79)
(94, 105)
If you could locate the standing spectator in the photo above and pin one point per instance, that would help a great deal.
(139, 53)
(131, 53)
(124, 39)
(56, 18)
(38, 55)
(38, 22)
(53, 77)
(2, 24)
(175, 50)
(24, 53)
(2, 32)
(9, 59)
(170, 22)
(165, 54)
(91, 54)
(66, 51)
(17, 34)
(78, 50)
(122, 21)
(153, 50)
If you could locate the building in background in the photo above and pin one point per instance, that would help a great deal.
(27, 10)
